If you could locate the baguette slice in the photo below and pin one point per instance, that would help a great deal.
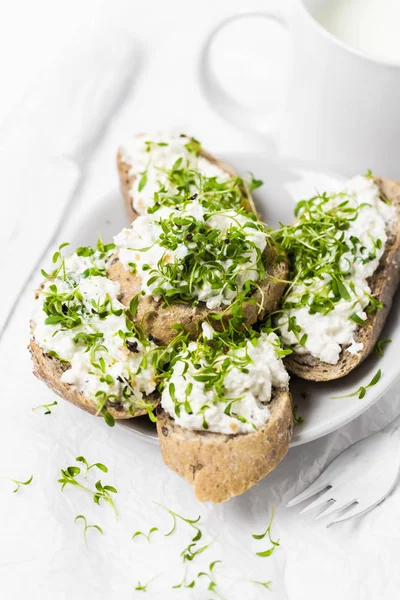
(157, 321)
(49, 370)
(220, 466)
(383, 284)
(127, 176)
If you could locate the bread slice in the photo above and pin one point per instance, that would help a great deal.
(50, 369)
(220, 466)
(127, 176)
(383, 284)
(157, 320)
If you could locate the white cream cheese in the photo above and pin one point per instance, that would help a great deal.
(153, 153)
(251, 388)
(328, 334)
(120, 365)
(139, 248)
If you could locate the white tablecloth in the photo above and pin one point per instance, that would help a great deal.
(42, 552)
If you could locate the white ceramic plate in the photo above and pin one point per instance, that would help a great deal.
(284, 184)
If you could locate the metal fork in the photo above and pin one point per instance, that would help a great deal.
(357, 480)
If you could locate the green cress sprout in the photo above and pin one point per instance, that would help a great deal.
(210, 575)
(191, 551)
(184, 583)
(267, 532)
(86, 527)
(101, 492)
(264, 584)
(380, 345)
(47, 407)
(147, 536)
(362, 390)
(19, 483)
(99, 466)
(141, 587)
(297, 418)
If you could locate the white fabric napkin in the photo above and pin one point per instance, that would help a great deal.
(44, 147)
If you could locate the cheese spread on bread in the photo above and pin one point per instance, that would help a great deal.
(194, 252)
(224, 388)
(79, 320)
(335, 247)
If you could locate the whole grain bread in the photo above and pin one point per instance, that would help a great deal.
(127, 176)
(157, 320)
(49, 369)
(220, 466)
(383, 284)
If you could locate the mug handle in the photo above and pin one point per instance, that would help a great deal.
(256, 121)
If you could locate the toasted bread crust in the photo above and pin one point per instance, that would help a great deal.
(157, 321)
(383, 283)
(50, 369)
(220, 466)
(127, 177)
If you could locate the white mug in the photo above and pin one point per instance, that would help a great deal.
(343, 105)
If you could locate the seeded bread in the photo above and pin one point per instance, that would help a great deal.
(127, 176)
(157, 321)
(383, 284)
(50, 369)
(220, 466)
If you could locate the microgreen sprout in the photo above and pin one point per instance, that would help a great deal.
(175, 516)
(184, 583)
(254, 183)
(212, 586)
(47, 407)
(19, 483)
(362, 390)
(191, 551)
(101, 492)
(264, 584)
(147, 536)
(380, 346)
(141, 587)
(86, 527)
(297, 418)
(99, 466)
(267, 532)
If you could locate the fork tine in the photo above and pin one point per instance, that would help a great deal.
(335, 507)
(307, 493)
(350, 514)
(326, 497)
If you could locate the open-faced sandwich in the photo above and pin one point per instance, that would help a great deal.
(195, 251)
(198, 261)
(84, 343)
(165, 168)
(344, 250)
(225, 419)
